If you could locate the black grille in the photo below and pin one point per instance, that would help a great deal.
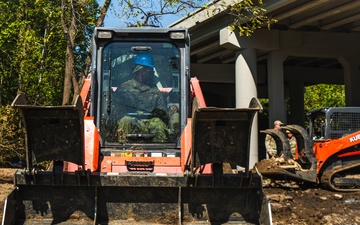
(343, 123)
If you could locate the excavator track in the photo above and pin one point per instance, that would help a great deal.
(338, 180)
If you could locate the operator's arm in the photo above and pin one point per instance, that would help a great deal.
(160, 103)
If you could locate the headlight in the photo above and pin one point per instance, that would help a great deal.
(104, 34)
(177, 35)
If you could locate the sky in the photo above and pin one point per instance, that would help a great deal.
(112, 21)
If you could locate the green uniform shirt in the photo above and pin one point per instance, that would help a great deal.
(270, 144)
(137, 97)
(141, 97)
(293, 144)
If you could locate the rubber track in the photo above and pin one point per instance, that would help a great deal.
(327, 181)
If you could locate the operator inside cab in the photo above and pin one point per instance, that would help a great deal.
(146, 112)
(140, 93)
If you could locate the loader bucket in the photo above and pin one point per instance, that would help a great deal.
(52, 132)
(281, 171)
(301, 169)
(144, 199)
(222, 135)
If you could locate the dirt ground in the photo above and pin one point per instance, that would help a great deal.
(290, 203)
(6, 186)
(299, 203)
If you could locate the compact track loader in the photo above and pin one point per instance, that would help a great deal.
(329, 154)
(193, 171)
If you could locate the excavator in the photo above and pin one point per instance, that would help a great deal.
(328, 153)
(185, 163)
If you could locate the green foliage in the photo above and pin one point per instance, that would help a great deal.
(324, 95)
(32, 50)
(8, 39)
(264, 115)
(77, 20)
(88, 12)
(248, 16)
(12, 146)
(315, 97)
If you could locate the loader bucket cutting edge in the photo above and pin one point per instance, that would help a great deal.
(278, 173)
(30, 204)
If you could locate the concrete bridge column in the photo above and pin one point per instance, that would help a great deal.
(351, 80)
(245, 90)
(275, 74)
(297, 112)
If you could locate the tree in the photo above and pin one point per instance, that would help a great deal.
(78, 19)
(11, 139)
(248, 16)
(30, 49)
(324, 95)
(315, 97)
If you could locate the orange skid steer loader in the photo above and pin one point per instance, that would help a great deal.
(118, 160)
(327, 154)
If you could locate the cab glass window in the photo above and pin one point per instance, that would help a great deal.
(140, 93)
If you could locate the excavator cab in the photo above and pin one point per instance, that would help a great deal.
(130, 153)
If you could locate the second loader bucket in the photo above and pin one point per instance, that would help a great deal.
(146, 200)
(302, 168)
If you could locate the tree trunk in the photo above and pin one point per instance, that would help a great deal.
(99, 22)
(71, 83)
(70, 39)
(69, 70)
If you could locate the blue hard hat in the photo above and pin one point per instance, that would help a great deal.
(144, 59)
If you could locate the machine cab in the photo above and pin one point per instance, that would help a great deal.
(333, 122)
(140, 78)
